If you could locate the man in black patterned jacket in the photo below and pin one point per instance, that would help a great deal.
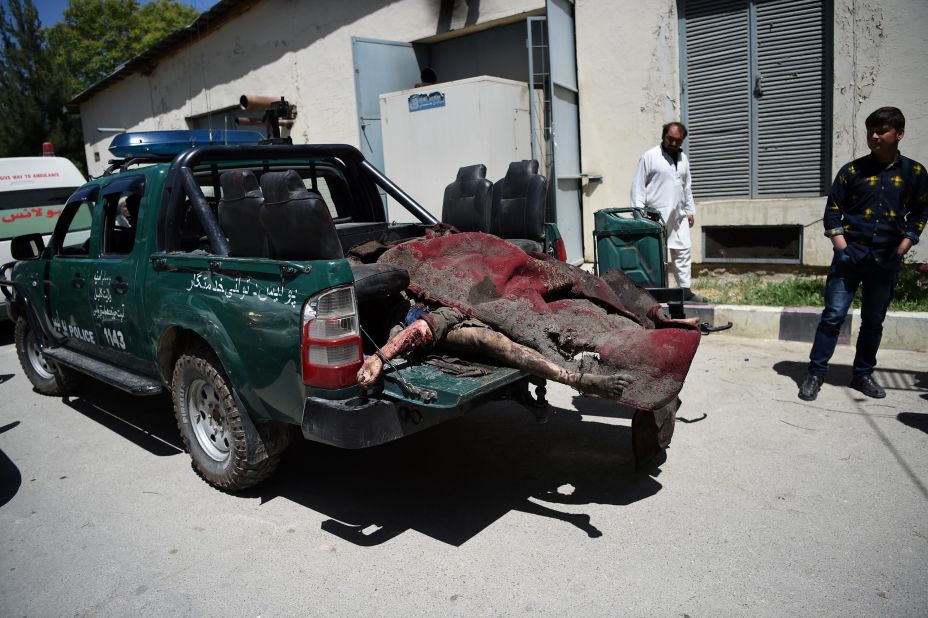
(876, 211)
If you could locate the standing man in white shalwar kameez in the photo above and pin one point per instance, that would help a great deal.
(662, 183)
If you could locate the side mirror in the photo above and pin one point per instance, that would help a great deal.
(27, 247)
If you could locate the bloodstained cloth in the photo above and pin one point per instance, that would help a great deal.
(572, 317)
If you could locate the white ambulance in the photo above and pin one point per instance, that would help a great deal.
(33, 191)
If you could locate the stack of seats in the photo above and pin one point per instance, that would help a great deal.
(297, 221)
(513, 208)
(284, 220)
(239, 216)
(467, 200)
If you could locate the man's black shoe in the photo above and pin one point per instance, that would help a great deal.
(808, 390)
(868, 386)
(697, 299)
(689, 296)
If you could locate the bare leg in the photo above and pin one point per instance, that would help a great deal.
(416, 335)
(486, 342)
(489, 343)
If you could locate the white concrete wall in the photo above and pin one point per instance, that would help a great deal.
(629, 78)
(628, 69)
(879, 59)
(299, 50)
(628, 74)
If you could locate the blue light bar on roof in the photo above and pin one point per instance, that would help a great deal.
(170, 143)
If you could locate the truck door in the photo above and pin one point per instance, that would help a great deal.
(114, 288)
(67, 303)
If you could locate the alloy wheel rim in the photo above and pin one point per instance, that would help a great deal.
(37, 360)
(208, 420)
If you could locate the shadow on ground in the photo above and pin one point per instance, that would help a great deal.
(449, 482)
(840, 375)
(10, 477)
(147, 422)
(6, 332)
(453, 481)
(915, 420)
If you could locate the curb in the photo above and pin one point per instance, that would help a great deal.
(902, 330)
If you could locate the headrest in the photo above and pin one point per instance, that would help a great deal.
(237, 183)
(279, 187)
(472, 172)
(522, 168)
(133, 201)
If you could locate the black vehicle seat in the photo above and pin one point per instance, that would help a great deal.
(467, 200)
(191, 234)
(297, 220)
(239, 214)
(518, 210)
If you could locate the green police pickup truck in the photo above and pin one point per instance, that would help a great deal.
(218, 272)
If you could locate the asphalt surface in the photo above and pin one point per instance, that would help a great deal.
(768, 506)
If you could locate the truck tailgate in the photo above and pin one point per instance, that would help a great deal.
(439, 389)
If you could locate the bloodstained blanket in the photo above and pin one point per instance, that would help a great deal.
(572, 317)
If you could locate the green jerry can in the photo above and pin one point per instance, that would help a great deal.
(631, 239)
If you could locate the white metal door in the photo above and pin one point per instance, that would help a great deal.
(379, 67)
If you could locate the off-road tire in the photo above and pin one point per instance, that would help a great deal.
(210, 424)
(47, 377)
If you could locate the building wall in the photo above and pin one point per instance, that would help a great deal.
(628, 69)
(629, 81)
(628, 75)
(298, 50)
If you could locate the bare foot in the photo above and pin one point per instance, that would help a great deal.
(609, 386)
(370, 371)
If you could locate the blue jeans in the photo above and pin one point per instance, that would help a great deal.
(844, 277)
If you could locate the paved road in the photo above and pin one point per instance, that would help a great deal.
(768, 507)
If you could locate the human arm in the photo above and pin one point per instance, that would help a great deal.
(904, 246)
(416, 335)
(689, 204)
(834, 209)
(638, 194)
(917, 212)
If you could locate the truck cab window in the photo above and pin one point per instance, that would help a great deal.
(323, 189)
(72, 234)
(121, 212)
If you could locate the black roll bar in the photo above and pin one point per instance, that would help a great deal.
(181, 181)
(398, 194)
(210, 224)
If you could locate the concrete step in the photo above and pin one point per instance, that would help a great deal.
(902, 330)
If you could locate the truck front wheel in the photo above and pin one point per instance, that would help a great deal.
(47, 377)
(210, 424)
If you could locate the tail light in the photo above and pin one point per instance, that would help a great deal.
(560, 251)
(331, 347)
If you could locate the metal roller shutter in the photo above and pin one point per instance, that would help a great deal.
(717, 96)
(755, 93)
(791, 130)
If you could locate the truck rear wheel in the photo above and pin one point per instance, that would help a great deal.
(210, 424)
(46, 376)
